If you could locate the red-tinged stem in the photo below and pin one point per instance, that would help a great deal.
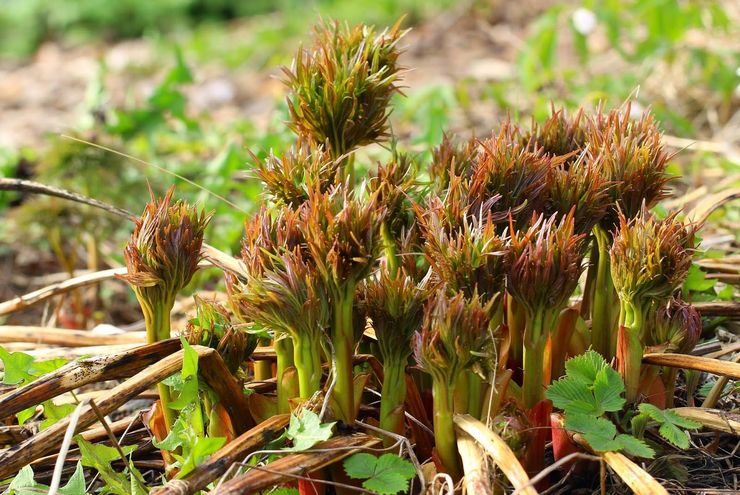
(539, 419)
(669, 379)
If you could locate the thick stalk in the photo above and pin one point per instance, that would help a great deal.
(343, 339)
(462, 393)
(604, 296)
(629, 348)
(307, 357)
(669, 380)
(284, 353)
(157, 323)
(475, 392)
(590, 286)
(534, 359)
(444, 427)
(393, 396)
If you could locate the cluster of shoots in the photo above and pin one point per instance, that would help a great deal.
(474, 272)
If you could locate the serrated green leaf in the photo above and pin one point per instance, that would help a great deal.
(387, 475)
(585, 367)
(608, 390)
(360, 466)
(307, 431)
(564, 392)
(670, 424)
(674, 435)
(634, 446)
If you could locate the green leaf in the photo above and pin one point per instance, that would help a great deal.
(76, 483)
(189, 374)
(307, 431)
(566, 391)
(24, 483)
(634, 446)
(585, 367)
(697, 281)
(388, 474)
(671, 424)
(99, 457)
(201, 449)
(17, 367)
(608, 390)
(55, 412)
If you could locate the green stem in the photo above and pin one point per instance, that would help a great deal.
(603, 331)
(343, 339)
(515, 320)
(157, 322)
(629, 348)
(393, 396)
(589, 288)
(444, 427)
(669, 380)
(475, 392)
(534, 359)
(389, 247)
(307, 357)
(284, 352)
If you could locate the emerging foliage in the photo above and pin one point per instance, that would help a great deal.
(388, 474)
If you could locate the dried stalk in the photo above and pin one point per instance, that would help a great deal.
(714, 419)
(65, 337)
(633, 475)
(300, 464)
(714, 366)
(76, 374)
(497, 448)
(220, 461)
(475, 474)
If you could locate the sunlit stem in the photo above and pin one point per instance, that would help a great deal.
(629, 347)
(284, 353)
(343, 340)
(307, 357)
(157, 323)
(444, 427)
(603, 330)
(393, 396)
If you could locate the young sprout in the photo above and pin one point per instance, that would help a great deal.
(630, 157)
(451, 159)
(559, 135)
(675, 327)
(454, 334)
(395, 306)
(290, 298)
(507, 168)
(343, 238)
(213, 327)
(392, 187)
(649, 261)
(544, 265)
(161, 258)
(581, 188)
(266, 238)
(340, 89)
(303, 168)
